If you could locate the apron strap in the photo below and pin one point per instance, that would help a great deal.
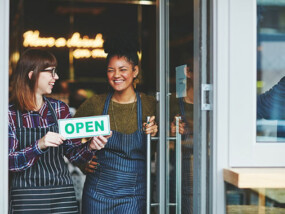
(107, 103)
(139, 111)
(181, 106)
(19, 119)
(53, 113)
(182, 109)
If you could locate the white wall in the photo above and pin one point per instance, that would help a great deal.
(4, 73)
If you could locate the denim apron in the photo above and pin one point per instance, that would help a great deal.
(187, 165)
(46, 187)
(118, 185)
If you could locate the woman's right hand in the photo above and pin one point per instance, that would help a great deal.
(51, 139)
(99, 142)
(182, 126)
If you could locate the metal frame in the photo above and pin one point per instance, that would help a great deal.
(136, 2)
(4, 60)
(200, 117)
(161, 88)
(221, 63)
(211, 177)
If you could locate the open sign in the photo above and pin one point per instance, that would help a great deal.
(82, 127)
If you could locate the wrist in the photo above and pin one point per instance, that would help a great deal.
(89, 146)
(41, 144)
(39, 148)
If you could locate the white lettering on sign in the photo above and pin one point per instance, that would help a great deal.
(84, 126)
(33, 39)
(81, 43)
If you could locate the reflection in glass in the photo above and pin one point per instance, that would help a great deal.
(181, 104)
(249, 200)
(180, 147)
(270, 71)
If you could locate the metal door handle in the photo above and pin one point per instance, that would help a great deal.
(178, 168)
(148, 173)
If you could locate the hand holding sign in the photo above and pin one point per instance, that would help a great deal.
(51, 139)
(99, 142)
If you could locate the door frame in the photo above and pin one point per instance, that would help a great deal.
(162, 54)
(4, 94)
(200, 117)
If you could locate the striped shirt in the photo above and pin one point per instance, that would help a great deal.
(20, 160)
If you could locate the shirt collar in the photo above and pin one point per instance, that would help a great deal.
(43, 110)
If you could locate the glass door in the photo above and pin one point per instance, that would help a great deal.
(180, 182)
(179, 106)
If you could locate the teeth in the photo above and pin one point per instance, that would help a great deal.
(118, 80)
(51, 83)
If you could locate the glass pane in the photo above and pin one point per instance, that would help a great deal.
(256, 200)
(270, 71)
(180, 146)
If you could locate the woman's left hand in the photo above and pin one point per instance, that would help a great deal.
(99, 142)
(150, 127)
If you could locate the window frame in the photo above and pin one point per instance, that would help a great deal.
(244, 151)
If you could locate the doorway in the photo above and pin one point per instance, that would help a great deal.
(175, 68)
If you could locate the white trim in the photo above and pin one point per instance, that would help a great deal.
(242, 79)
(243, 149)
(4, 82)
(220, 102)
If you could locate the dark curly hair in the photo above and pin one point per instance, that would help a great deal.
(122, 46)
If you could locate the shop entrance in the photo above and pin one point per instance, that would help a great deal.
(185, 110)
(175, 68)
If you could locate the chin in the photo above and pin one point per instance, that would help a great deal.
(116, 88)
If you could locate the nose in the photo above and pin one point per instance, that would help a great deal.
(116, 73)
(56, 77)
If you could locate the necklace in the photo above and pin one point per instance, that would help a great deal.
(112, 107)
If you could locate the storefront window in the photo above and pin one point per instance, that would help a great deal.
(270, 71)
(256, 200)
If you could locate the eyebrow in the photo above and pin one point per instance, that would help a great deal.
(119, 67)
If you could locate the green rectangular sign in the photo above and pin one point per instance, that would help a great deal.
(82, 127)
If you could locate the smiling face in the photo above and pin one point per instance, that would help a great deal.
(46, 82)
(121, 73)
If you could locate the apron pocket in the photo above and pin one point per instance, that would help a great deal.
(115, 184)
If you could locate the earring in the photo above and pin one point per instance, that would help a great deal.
(135, 82)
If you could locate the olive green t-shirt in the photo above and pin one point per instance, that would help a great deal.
(123, 117)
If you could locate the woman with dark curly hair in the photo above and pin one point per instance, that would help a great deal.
(118, 185)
